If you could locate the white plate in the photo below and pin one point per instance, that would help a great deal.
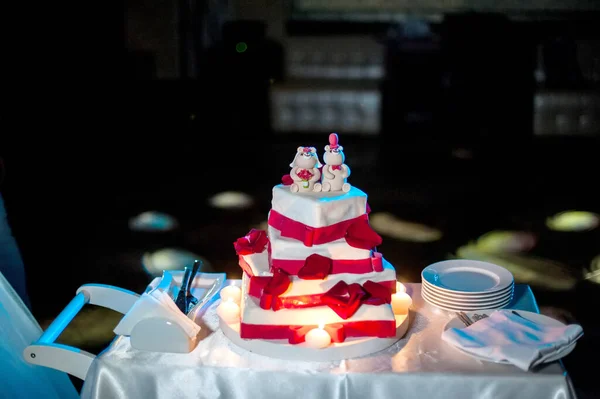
(444, 295)
(458, 307)
(465, 299)
(440, 297)
(462, 307)
(469, 296)
(467, 276)
(534, 317)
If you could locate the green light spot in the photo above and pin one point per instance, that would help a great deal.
(241, 47)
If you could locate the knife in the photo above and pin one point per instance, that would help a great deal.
(190, 299)
(184, 297)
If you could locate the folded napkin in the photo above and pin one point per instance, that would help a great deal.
(156, 303)
(504, 336)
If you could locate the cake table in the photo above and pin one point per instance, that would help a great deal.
(418, 366)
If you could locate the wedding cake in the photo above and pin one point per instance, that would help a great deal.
(316, 272)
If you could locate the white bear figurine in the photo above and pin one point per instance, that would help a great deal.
(305, 170)
(335, 171)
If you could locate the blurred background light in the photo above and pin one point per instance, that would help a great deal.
(387, 224)
(462, 153)
(171, 259)
(264, 225)
(573, 221)
(152, 221)
(231, 200)
(594, 274)
(535, 271)
(498, 241)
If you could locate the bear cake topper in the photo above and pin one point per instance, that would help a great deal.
(335, 171)
(305, 173)
(308, 175)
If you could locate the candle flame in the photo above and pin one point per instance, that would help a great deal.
(400, 287)
(321, 326)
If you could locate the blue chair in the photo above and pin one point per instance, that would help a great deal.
(18, 329)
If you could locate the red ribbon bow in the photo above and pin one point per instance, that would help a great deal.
(336, 167)
(316, 267)
(345, 299)
(360, 234)
(252, 243)
(277, 285)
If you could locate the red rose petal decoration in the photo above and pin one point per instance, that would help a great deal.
(378, 293)
(360, 234)
(316, 267)
(279, 283)
(344, 299)
(252, 243)
(287, 180)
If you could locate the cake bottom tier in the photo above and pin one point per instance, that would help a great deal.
(282, 349)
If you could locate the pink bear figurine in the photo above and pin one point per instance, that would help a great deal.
(335, 171)
(305, 170)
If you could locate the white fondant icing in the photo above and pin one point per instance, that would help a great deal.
(312, 287)
(245, 285)
(289, 248)
(259, 263)
(252, 313)
(319, 209)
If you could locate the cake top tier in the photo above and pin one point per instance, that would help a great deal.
(319, 209)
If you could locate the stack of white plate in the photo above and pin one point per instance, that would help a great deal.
(466, 285)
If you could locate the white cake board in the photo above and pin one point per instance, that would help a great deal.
(282, 349)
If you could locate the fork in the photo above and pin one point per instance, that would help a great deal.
(470, 320)
(464, 318)
(478, 317)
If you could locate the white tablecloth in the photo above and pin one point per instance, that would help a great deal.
(418, 366)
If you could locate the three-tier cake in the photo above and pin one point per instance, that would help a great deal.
(317, 265)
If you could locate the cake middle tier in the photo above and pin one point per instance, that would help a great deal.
(290, 254)
(302, 287)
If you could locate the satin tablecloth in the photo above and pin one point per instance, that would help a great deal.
(418, 366)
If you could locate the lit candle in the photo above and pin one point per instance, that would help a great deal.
(400, 287)
(401, 302)
(231, 292)
(318, 338)
(229, 311)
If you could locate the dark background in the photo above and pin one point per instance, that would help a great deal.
(486, 121)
